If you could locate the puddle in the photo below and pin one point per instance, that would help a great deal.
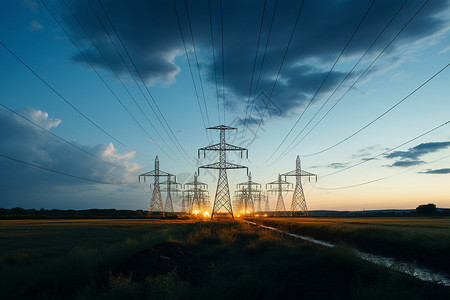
(419, 272)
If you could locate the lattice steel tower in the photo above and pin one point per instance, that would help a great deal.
(298, 205)
(251, 193)
(170, 186)
(185, 201)
(156, 203)
(197, 194)
(265, 198)
(222, 198)
(279, 186)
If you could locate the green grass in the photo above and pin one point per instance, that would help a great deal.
(422, 240)
(237, 261)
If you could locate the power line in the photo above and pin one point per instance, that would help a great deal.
(261, 68)
(279, 71)
(214, 58)
(254, 67)
(143, 83)
(178, 146)
(115, 73)
(190, 68)
(66, 141)
(198, 67)
(361, 75)
(101, 78)
(379, 179)
(223, 63)
(387, 151)
(323, 81)
(380, 116)
(53, 171)
(69, 103)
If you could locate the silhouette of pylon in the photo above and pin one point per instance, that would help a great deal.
(298, 204)
(279, 186)
(156, 202)
(171, 186)
(197, 192)
(222, 198)
(250, 194)
(266, 202)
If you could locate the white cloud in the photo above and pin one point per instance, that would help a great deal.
(445, 50)
(39, 117)
(24, 141)
(36, 26)
(31, 5)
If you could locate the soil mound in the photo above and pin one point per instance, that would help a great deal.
(161, 259)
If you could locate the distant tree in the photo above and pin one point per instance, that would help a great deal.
(426, 209)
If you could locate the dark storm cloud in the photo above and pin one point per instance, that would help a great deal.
(150, 31)
(437, 171)
(419, 150)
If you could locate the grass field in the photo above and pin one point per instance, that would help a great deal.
(50, 259)
(423, 240)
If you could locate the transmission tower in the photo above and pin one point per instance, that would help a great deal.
(197, 194)
(170, 186)
(298, 205)
(265, 199)
(186, 199)
(250, 192)
(222, 198)
(156, 203)
(279, 187)
(238, 201)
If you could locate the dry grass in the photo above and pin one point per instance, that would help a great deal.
(238, 261)
(422, 240)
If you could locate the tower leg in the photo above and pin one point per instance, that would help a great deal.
(156, 203)
(280, 209)
(169, 204)
(298, 205)
(222, 199)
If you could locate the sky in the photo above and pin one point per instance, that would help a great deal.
(97, 89)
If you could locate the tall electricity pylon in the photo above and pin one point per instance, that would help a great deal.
(298, 205)
(279, 186)
(170, 186)
(265, 199)
(198, 192)
(222, 198)
(238, 200)
(156, 203)
(251, 192)
(186, 199)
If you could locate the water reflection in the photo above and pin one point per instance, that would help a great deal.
(404, 267)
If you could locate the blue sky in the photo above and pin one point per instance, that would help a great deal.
(415, 173)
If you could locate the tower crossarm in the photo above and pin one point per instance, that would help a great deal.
(245, 191)
(173, 183)
(301, 173)
(244, 184)
(199, 190)
(276, 182)
(172, 190)
(225, 147)
(276, 190)
(222, 165)
(199, 184)
(154, 174)
(222, 127)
